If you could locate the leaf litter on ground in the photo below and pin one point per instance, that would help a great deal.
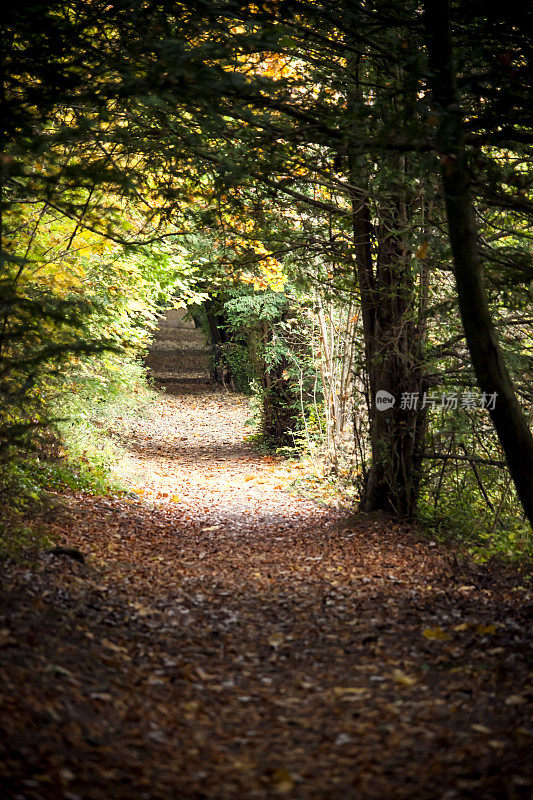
(227, 639)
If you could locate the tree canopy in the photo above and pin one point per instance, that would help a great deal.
(369, 155)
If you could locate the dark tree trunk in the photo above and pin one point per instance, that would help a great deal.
(393, 346)
(279, 414)
(492, 375)
(215, 322)
(220, 370)
(394, 365)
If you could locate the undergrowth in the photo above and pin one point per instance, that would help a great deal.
(509, 539)
(460, 522)
(76, 452)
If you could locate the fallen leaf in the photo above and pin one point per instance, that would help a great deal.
(282, 781)
(436, 634)
(486, 629)
(6, 637)
(480, 728)
(112, 646)
(403, 679)
(422, 251)
(515, 700)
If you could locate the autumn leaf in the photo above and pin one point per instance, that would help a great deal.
(436, 634)
(486, 629)
(515, 700)
(403, 679)
(6, 637)
(112, 646)
(480, 728)
(282, 781)
(422, 251)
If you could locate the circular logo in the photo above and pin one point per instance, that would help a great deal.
(384, 400)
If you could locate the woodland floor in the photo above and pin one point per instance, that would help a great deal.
(226, 639)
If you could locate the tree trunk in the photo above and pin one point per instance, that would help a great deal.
(394, 365)
(393, 352)
(492, 375)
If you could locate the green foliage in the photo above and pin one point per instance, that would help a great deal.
(40, 334)
(235, 356)
(252, 350)
(466, 499)
(73, 326)
(110, 389)
(265, 356)
(77, 453)
(21, 540)
(466, 523)
(212, 125)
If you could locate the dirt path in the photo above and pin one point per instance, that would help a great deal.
(192, 458)
(227, 640)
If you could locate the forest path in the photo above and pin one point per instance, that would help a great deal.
(191, 457)
(191, 451)
(226, 640)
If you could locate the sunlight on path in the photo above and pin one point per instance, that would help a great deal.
(191, 454)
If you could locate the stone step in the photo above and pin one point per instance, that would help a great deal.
(170, 347)
(185, 354)
(177, 363)
(182, 344)
(180, 376)
(180, 333)
(179, 351)
(173, 330)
